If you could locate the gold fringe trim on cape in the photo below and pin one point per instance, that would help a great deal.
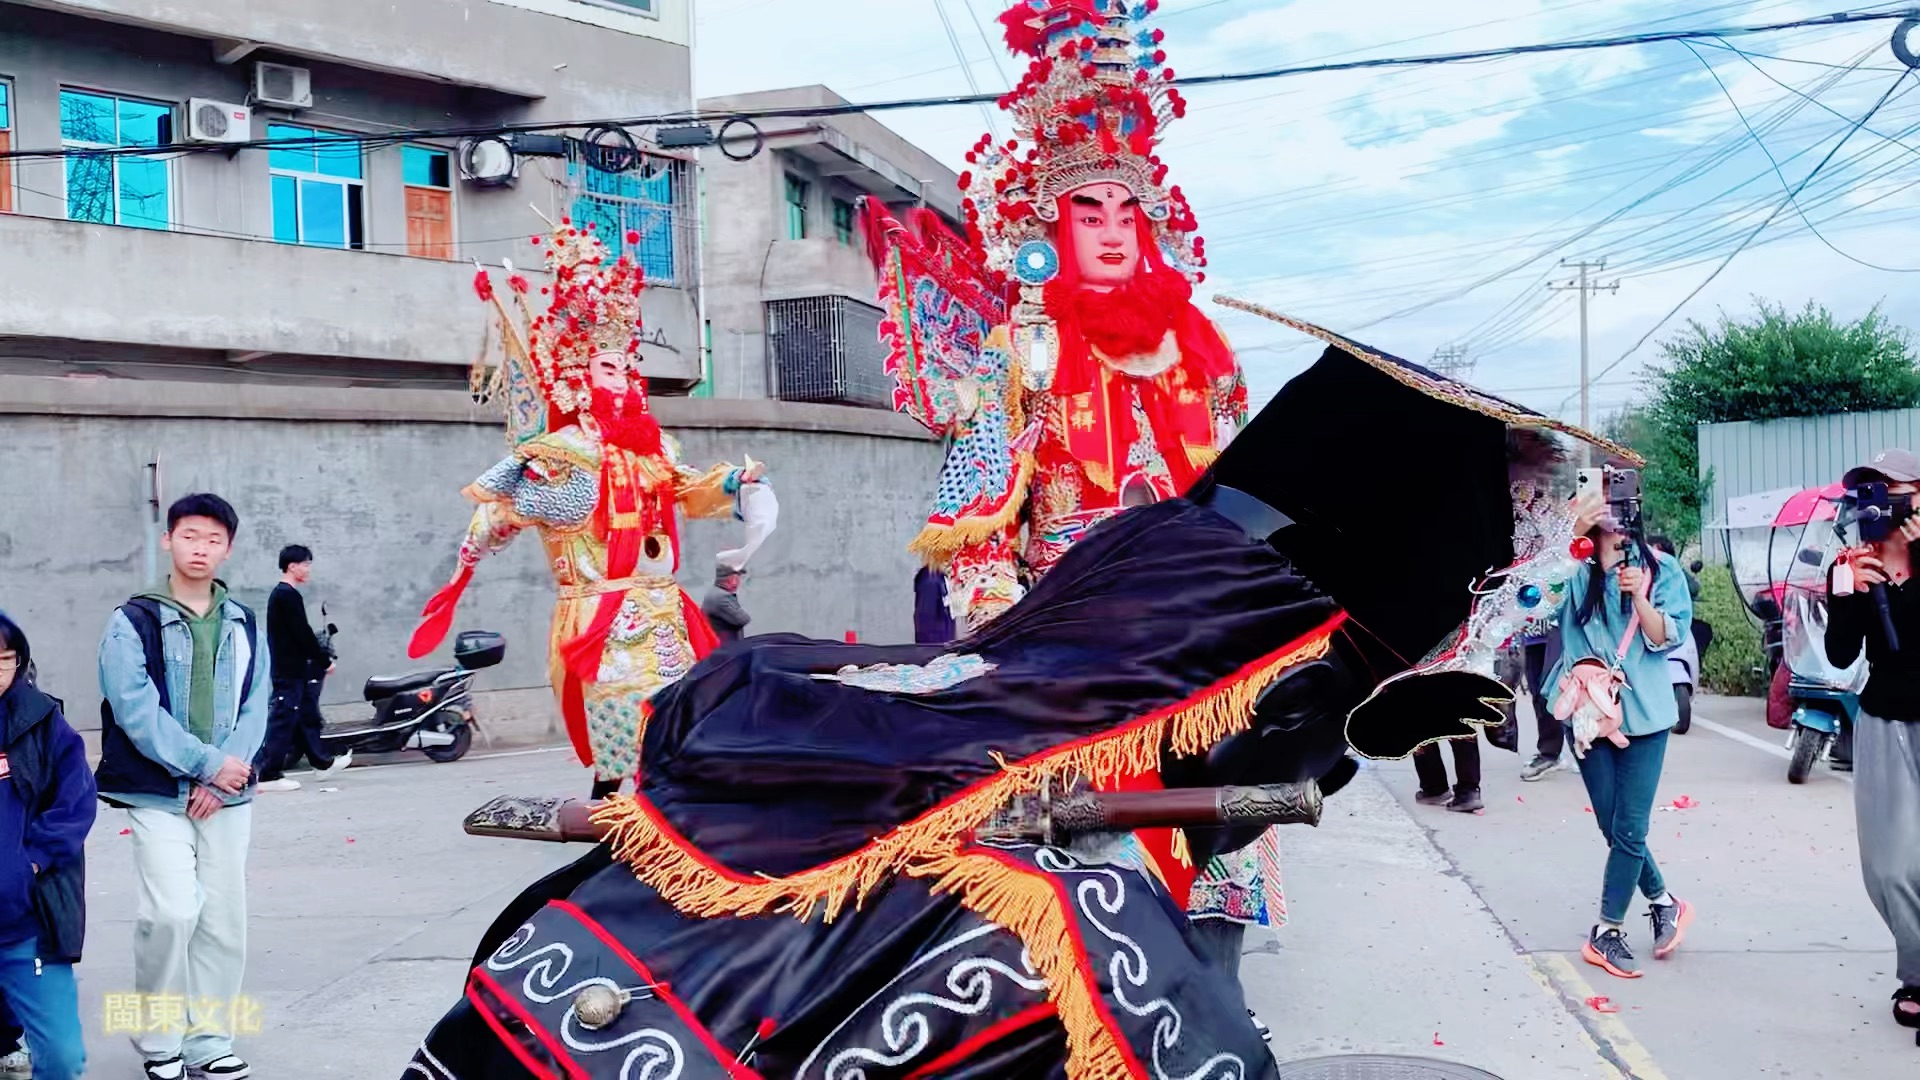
(938, 544)
(1027, 904)
(1202, 457)
(700, 887)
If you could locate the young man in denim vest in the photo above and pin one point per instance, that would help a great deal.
(185, 676)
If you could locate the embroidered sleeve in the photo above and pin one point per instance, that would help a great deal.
(983, 581)
(493, 527)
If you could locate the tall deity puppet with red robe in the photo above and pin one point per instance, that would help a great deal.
(1100, 385)
(591, 470)
(1058, 348)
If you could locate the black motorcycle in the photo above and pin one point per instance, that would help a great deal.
(430, 711)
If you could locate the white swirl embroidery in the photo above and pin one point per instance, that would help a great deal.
(660, 1049)
(1129, 966)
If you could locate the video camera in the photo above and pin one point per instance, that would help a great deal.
(1875, 513)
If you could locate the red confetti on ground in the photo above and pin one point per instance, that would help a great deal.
(1685, 802)
(349, 839)
(126, 832)
(1436, 1039)
(1588, 809)
(1601, 1003)
(1519, 798)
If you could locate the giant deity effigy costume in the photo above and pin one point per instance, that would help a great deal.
(1101, 386)
(809, 883)
(591, 470)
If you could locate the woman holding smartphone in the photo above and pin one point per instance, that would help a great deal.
(1886, 736)
(1628, 608)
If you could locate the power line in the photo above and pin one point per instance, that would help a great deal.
(695, 116)
(1791, 193)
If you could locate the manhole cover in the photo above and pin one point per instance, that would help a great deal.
(1380, 1067)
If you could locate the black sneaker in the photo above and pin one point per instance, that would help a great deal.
(1466, 802)
(1670, 922)
(165, 1069)
(1434, 798)
(225, 1067)
(1539, 767)
(1607, 949)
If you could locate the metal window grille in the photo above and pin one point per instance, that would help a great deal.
(655, 199)
(827, 348)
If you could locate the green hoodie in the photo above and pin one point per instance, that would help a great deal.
(198, 717)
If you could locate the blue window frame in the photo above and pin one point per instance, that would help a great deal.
(318, 190)
(646, 200)
(127, 189)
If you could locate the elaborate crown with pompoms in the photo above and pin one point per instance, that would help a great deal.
(1092, 105)
(593, 307)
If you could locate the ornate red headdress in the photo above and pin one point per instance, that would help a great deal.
(592, 308)
(1092, 106)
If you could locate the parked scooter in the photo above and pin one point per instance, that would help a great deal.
(430, 711)
(1683, 667)
(1824, 700)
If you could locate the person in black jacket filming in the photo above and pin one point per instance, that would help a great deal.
(1874, 605)
(46, 810)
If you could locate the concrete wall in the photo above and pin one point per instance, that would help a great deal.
(370, 480)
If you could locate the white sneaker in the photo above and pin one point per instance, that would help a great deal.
(17, 1066)
(341, 763)
(282, 784)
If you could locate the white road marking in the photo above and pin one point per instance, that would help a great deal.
(1759, 744)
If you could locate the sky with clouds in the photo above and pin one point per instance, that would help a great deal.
(1431, 208)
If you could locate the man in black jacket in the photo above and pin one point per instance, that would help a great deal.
(46, 810)
(300, 662)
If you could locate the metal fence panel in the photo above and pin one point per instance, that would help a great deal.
(1751, 456)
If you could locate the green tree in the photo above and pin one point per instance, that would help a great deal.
(1769, 366)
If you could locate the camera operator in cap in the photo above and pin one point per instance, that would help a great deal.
(1872, 605)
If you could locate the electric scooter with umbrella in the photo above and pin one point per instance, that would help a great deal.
(1780, 545)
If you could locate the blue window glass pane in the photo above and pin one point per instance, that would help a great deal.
(656, 242)
(6, 117)
(422, 167)
(292, 158)
(90, 189)
(286, 209)
(323, 213)
(140, 123)
(86, 118)
(340, 159)
(144, 194)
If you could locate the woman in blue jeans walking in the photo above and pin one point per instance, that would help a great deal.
(1628, 612)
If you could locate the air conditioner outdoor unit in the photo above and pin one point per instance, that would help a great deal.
(218, 121)
(282, 85)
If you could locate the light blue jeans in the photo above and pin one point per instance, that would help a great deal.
(47, 1004)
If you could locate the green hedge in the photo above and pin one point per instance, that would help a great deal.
(1728, 667)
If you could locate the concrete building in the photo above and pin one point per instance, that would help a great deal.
(292, 326)
(341, 262)
(789, 288)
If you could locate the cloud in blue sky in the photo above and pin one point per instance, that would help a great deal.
(1431, 207)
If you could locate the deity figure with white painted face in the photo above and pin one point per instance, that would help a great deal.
(592, 473)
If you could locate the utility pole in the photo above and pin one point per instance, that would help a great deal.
(1452, 361)
(1586, 287)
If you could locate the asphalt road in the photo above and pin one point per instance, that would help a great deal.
(1414, 930)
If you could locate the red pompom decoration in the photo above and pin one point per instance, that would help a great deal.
(518, 284)
(1581, 548)
(633, 236)
(1167, 74)
(1159, 56)
(483, 285)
